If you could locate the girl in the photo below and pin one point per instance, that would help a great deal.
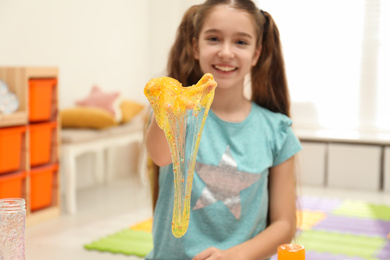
(243, 197)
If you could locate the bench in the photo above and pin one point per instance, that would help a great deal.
(75, 142)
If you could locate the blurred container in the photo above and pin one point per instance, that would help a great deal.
(41, 98)
(11, 151)
(12, 229)
(41, 181)
(11, 185)
(41, 142)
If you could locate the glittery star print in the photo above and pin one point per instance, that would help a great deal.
(223, 183)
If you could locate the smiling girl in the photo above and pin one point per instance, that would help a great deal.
(243, 197)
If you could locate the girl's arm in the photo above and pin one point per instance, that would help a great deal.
(282, 220)
(157, 144)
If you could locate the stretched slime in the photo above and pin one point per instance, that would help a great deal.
(181, 113)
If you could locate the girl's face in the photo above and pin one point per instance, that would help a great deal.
(226, 46)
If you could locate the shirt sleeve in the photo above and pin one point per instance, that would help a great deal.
(287, 143)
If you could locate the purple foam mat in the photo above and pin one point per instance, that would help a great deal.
(356, 226)
(326, 256)
(384, 253)
(326, 205)
(344, 225)
(310, 255)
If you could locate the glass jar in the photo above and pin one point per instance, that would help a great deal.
(12, 229)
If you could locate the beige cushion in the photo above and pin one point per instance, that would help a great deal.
(99, 118)
(130, 109)
(86, 117)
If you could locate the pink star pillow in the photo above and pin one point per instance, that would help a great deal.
(107, 101)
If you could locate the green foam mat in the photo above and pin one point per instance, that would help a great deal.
(127, 242)
(340, 244)
(363, 210)
(342, 229)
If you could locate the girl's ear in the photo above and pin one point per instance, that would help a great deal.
(256, 55)
(195, 47)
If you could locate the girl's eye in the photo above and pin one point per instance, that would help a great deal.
(212, 39)
(240, 42)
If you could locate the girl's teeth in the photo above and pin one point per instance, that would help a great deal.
(225, 68)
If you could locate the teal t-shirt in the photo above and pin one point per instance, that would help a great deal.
(229, 202)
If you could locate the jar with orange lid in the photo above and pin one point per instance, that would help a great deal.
(291, 252)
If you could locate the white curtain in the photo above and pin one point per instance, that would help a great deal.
(383, 94)
(337, 55)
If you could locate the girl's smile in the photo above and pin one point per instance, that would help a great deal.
(224, 68)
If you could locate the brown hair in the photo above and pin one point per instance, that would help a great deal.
(268, 78)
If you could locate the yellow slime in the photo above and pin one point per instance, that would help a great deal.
(181, 113)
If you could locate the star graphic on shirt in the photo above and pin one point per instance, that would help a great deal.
(224, 182)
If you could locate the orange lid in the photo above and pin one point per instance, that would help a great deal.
(291, 252)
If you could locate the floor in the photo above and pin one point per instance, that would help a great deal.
(106, 209)
(102, 210)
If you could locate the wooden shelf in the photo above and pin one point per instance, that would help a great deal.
(17, 80)
(14, 119)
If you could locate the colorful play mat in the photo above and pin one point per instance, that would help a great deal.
(329, 228)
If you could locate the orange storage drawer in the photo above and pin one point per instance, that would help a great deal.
(11, 148)
(41, 138)
(41, 98)
(41, 181)
(11, 185)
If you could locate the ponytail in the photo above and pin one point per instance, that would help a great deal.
(269, 81)
(181, 63)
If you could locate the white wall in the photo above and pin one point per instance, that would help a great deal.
(164, 20)
(118, 44)
(91, 42)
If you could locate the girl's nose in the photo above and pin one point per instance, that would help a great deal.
(226, 51)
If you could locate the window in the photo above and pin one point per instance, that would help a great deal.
(336, 55)
(383, 93)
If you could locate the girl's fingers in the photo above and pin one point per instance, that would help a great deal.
(210, 253)
(205, 254)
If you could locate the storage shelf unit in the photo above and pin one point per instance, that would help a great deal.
(345, 159)
(34, 176)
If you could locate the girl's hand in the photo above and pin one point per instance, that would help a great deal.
(213, 253)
